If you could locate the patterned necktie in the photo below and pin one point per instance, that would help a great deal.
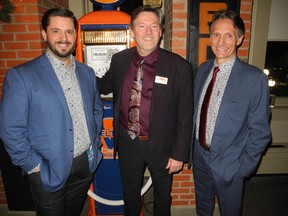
(204, 110)
(134, 104)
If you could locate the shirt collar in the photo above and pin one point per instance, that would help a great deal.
(228, 64)
(149, 59)
(57, 63)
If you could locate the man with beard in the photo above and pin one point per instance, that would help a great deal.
(51, 118)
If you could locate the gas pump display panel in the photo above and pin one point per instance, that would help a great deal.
(99, 57)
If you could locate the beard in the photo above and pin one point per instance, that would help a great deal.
(62, 53)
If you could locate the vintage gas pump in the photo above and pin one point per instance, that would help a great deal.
(101, 34)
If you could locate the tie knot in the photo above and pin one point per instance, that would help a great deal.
(216, 70)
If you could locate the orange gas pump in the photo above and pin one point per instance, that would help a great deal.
(100, 35)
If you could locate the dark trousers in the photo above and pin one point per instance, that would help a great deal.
(134, 156)
(67, 201)
(229, 198)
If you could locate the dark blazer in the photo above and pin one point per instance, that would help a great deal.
(35, 122)
(242, 129)
(171, 106)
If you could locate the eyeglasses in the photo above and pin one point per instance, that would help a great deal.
(58, 32)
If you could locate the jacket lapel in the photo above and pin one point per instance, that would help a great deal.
(122, 70)
(231, 90)
(49, 73)
(199, 83)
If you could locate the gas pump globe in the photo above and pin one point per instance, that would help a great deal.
(107, 4)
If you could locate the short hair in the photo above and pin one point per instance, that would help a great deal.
(236, 19)
(62, 12)
(148, 8)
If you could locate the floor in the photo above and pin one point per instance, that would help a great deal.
(265, 195)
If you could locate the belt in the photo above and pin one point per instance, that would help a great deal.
(143, 138)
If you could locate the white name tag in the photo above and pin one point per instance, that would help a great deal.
(161, 80)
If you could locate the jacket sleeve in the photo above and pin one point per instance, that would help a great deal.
(106, 82)
(14, 114)
(184, 83)
(258, 126)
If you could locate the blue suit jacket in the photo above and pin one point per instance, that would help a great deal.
(242, 129)
(35, 123)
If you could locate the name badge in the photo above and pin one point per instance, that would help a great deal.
(161, 80)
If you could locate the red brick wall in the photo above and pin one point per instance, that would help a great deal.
(2, 192)
(175, 39)
(20, 40)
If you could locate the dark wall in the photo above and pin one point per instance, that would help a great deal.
(15, 184)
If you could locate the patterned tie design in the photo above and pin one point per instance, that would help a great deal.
(134, 104)
(204, 110)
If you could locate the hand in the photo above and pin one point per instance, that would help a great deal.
(35, 170)
(174, 166)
